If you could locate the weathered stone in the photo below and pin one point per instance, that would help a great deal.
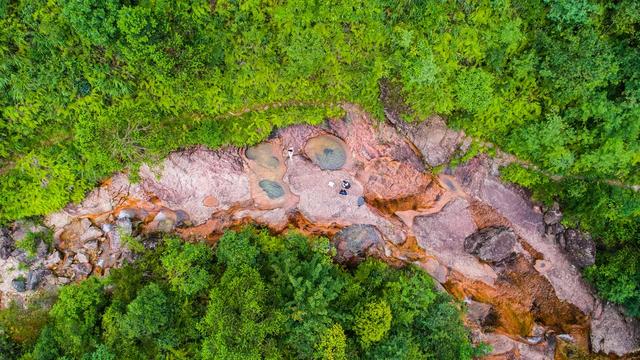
(81, 258)
(126, 213)
(354, 241)
(480, 313)
(512, 203)
(218, 190)
(91, 245)
(493, 244)
(19, 284)
(184, 181)
(6, 244)
(435, 140)
(567, 338)
(53, 259)
(580, 248)
(63, 280)
(614, 333)
(553, 216)
(68, 259)
(34, 278)
(92, 233)
(182, 218)
(42, 249)
(442, 235)
(81, 270)
(124, 226)
(22, 256)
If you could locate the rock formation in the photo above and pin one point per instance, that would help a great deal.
(481, 239)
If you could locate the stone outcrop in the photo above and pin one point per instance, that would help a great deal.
(580, 248)
(492, 244)
(354, 242)
(481, 239)
(612, 332)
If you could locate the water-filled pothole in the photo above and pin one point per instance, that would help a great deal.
(327, 151)
(273, 189)
(263, 155)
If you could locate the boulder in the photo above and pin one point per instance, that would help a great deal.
(182, 218)
(492, 244)
(127, 213)
(580, 248)
(124, 226)
(34, 278)
(553, 216)
(614, 333)
(355, 241)
(6, 244)
(42, 249)
(435, 140)
(53, 259)
(81, 258)
(81, 270)
(91, 245)
(19, 284)
(480, 313)
(91, 233)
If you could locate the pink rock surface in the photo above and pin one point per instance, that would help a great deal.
(421, 218)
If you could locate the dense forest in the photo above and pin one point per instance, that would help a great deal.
(93, 87)
(257, 297)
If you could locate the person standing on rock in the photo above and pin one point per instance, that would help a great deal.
(290, 153)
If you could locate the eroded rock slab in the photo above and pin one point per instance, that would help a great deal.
(612, 332)
(492, 244)
(442, 235)
(480, 238)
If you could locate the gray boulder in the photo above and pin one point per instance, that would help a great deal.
(42, 249)
(182, 218)
(81, 270)
(34, 278)
(6, 244)
(553, 216)
(354, 241)
(580, 248)
(492, 244)
(19, 284)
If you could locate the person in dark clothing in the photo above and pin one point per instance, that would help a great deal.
(346, 184)
(343, 192)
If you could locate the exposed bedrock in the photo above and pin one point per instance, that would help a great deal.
(364, 184)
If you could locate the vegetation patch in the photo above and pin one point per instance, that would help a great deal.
(255, 296)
